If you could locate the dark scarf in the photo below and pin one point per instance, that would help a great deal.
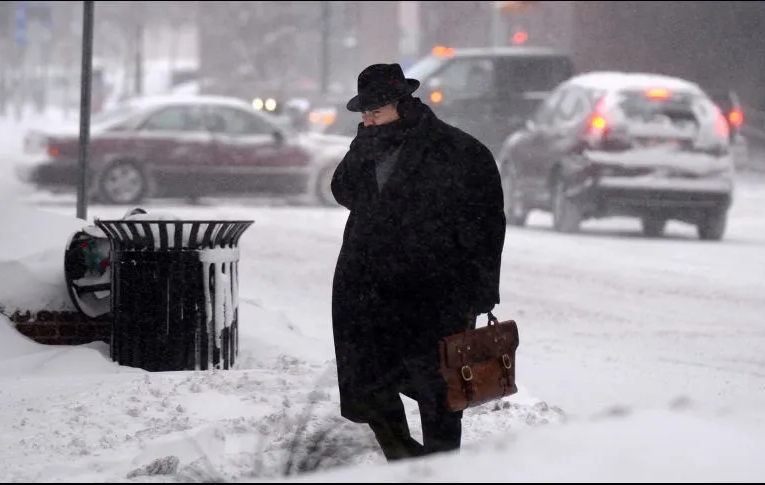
(378, 140)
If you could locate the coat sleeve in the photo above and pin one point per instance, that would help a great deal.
(482, 218)
(344, 183)
(348, 178)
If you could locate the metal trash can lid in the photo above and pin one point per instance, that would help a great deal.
(173, 234)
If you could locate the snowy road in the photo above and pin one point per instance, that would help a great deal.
(606, 314)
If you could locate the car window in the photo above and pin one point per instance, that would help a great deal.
(175, 118)
(573, 106)
(466, 79)
(118, 113)
(532, 74)
(645, 117)
(237, 122)
(680, 108)
(424, 68)
(545, 113)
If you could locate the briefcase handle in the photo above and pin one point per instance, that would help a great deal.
(471, 325)
(472, 320)
(468, 335)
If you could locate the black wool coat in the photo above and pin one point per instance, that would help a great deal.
(415, 258)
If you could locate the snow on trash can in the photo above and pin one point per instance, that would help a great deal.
(175, 291)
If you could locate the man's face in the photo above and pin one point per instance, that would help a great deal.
(380, 116)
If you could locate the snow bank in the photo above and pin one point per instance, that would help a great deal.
(650, 446)
(13, 344)
(21, 356)
(32, 258)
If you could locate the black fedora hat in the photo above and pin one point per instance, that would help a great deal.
(381, 84)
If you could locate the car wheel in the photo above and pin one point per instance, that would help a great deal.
(712, 226)
(122, 183)
(324, 187)
(567, 215)
(653, 226)
(516, 212)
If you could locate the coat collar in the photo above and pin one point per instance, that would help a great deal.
(412, 154)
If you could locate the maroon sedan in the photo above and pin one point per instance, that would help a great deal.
(178, 147)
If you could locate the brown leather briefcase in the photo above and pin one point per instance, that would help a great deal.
(479, 364)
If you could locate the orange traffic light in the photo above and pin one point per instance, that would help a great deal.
(442, 51)
(520, 37)
(514, 6)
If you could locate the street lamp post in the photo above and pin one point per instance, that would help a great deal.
(139, 33)
(326, 32)
(85, 92)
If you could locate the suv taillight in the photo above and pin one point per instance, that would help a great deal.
(736, 118)
(596, 128)
(721, 124)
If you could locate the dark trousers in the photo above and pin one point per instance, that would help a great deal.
(441, 428)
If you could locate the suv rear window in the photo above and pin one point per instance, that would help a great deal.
(640, 107)
(651, 117)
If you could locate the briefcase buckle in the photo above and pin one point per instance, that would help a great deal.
(467, 373)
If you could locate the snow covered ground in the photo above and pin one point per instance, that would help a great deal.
(640, 360)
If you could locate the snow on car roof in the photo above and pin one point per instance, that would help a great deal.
(622, 81)
(512, 51)
(156, 101)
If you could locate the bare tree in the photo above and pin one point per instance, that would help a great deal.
(265, 42)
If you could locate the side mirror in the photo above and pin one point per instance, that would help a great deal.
(278, 137)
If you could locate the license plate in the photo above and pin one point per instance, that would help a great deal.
(661, 142)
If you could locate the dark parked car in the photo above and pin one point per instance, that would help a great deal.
(606, 144)
(488, 92)
(179, 146)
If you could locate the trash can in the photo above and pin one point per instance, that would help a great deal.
(174, 298)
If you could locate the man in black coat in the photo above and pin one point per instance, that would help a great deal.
(420, 259)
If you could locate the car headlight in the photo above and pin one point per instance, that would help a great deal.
(268, 104)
